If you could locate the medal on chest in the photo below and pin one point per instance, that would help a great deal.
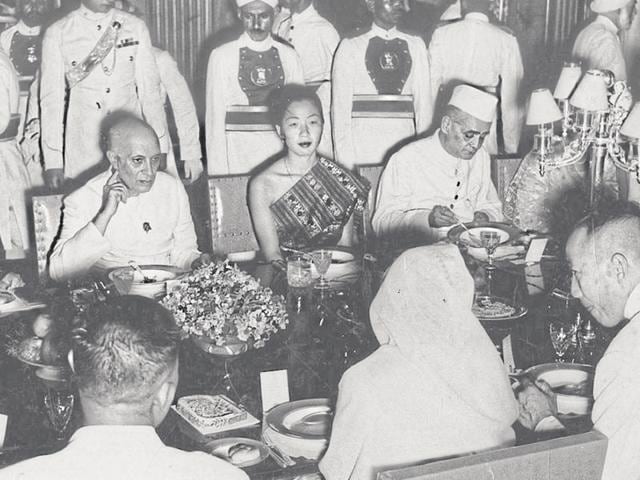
(259, 74)
(25, 53)
(388, 64)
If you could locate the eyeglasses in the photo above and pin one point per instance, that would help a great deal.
(471, 134)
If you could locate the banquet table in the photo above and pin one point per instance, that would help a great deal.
(328, 334)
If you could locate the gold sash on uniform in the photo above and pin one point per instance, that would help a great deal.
(99, 52)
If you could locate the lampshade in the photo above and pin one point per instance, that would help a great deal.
(542, 108)
(591, 93)
(631, 126)
(569, 78)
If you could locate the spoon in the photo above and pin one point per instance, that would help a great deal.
(472, 236)
(136, 268)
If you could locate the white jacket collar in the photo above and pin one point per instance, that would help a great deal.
(390, 34)
(245, 41)
(480, 17)
(632, 307)
(93, 16)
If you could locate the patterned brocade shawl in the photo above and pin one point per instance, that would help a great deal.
(314, 211)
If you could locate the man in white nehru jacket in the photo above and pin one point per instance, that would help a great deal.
(598, 44)
(240, 77)
(435, 182)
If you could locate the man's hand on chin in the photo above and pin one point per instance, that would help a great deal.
(203, 259)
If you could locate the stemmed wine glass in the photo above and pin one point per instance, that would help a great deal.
(59, 406)
(561, 338)
(322, 260)
(490, 241)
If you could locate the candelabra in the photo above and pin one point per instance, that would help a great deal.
(596, 125)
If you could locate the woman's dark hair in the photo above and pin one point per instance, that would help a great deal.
(283, 97)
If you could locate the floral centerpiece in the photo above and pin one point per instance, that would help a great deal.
(218, 302)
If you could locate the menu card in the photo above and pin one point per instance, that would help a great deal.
(274, 387)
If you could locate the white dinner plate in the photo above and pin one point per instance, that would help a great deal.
(220, 448)
(307, 419)
(572, 383)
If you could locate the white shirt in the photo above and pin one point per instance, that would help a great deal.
(170, 240)
(422, 175)
(175, 87)
(363, 140)
(130, 82)
(315, 40)
(598, 46)
(616, 390)
(474, 51)
(129, 452)
(224, 90)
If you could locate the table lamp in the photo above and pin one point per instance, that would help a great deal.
(542, 112)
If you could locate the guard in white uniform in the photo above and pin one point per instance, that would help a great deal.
(175, 89)
(240, 78)
(476, 52)
(381, 88)
(315, 40)
(23, 43)
(435, 182)
(598, 45)
(103, 57)
(14, 179)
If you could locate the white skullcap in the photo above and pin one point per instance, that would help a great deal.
(271, 3)
(475, 102)
(603, 6)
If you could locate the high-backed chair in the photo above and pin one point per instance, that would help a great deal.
(47, 214)
(372, 173)
(231, 228)
(503, 169)
(567, 458)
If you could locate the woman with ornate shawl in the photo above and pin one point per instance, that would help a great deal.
(303, 200)
(435, 387)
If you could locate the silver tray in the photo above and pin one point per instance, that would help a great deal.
(520, 310)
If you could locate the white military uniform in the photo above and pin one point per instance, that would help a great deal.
(315, 40)
(475, 52)
(598, 46)
(238, 149)
(14, 179)
(174, 87)
(363, 132)
(126, 79)
(151, 228)
(422, 175)
(22, 44)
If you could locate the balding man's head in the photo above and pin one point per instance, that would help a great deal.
(133, 149)
(604, 253)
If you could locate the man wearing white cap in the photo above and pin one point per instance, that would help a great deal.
(474, 51)
(381, 93)
(240, 78)
(315, 40)
(598, 45)
(435, 182)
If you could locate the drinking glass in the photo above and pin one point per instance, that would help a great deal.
(299, 279)
(490, 241)
(322, 261)
(561, 337)
(59, 405)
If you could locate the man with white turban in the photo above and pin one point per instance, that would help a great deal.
(598, 44)
(381, 94)
(240, 78)
(435, 182)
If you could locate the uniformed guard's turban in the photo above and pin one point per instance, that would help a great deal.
(271, 3)
(475, 102)
(602, 6)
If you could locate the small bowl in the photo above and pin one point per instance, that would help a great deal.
(130, 282)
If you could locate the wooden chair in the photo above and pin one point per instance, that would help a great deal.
(372, 173)
(503, 169)
(567, 458)
(47, 214)
(231, 227)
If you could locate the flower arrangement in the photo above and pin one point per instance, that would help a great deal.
(218, 301)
